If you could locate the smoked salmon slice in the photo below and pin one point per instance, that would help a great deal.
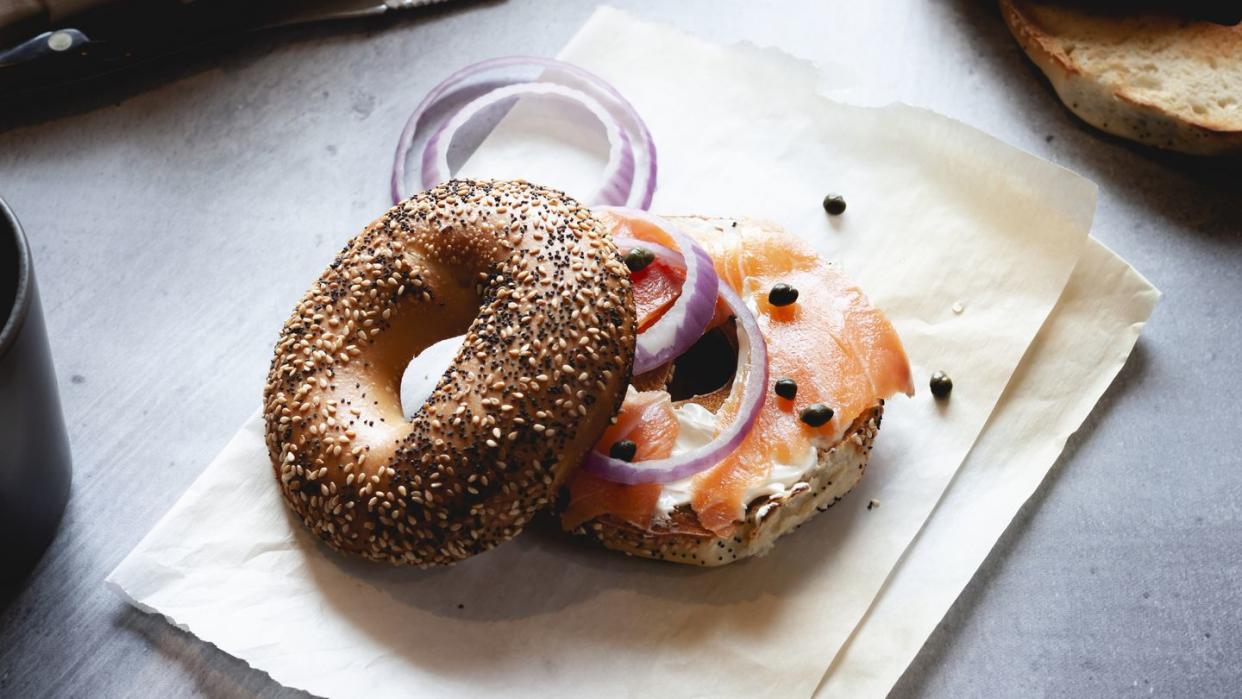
(646, 418)
(656, 287)
(841, 351)
(766, 256)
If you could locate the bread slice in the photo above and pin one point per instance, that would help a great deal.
(1152, 77)
(681, 539)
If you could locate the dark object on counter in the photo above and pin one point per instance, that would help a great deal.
(834, 204)
(49, 43)
(941, 385)
(35, 466)
(1226, 12)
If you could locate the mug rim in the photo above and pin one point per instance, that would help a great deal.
(21, 301)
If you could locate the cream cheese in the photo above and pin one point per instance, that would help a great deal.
(696, 427)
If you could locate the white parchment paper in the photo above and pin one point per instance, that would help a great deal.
(939, 214)
(1096, 323)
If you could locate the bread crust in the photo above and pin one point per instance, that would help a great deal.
(534, 279)
(1120, 108)
(680, 538)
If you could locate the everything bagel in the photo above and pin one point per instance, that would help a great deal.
(537, 286)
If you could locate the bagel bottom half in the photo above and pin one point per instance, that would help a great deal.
(679, 537)
(676, 532)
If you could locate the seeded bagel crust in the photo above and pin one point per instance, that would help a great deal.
(535, 282)
(681, 539)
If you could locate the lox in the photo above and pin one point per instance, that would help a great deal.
(841, 352)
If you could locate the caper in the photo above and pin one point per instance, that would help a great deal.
(834, 204)
(786, 388)
(816, 414)
(782, 295)
(638, 258)
(624, 450)
(941, 385)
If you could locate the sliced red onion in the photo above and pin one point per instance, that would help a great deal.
(642, 180)
(618, 174)
(684, 322)
(751, 378)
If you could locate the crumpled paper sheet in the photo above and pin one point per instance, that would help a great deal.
(939, 213)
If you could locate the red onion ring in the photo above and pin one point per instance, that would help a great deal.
(618, 173)
(684, 322)
(752, 375)
(642, 183)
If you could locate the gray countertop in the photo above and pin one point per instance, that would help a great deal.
(176, 214)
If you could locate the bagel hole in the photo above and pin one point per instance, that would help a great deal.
(424, 372)
(707, 366)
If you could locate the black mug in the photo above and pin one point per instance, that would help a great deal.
(35, 467)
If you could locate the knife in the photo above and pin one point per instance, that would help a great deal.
(111, 36)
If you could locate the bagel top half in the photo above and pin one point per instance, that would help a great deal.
(536, 285)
